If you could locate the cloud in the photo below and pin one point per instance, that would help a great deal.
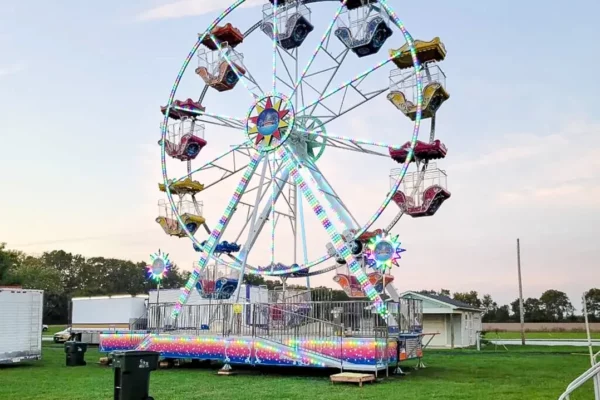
(559, 169)
(189, 8)
(11, 69)
(514, 148)
(561, 196)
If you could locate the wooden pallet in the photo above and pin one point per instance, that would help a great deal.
(352, 377)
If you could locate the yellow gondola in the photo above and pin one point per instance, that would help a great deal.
(433, 50)
(172, 228)
(183, 187)
(434, 95)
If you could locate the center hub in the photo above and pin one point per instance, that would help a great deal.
(269, 122)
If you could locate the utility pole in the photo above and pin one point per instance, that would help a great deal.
(521, 313)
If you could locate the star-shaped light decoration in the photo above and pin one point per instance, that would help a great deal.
(383, 251)
(159, 266)
(268, 121)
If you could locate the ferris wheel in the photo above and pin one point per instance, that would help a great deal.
(284, 105)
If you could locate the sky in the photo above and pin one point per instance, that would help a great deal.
(81, 84)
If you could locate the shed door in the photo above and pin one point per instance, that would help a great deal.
(435, 323)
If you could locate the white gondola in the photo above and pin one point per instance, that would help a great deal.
(293, 23)
(363, 29)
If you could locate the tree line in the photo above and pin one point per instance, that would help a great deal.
(64, 275)
(552, 306)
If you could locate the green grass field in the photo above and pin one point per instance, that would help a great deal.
(542, 335)
(520, 373)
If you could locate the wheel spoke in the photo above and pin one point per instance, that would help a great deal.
(319, 47)
(217, 232)
(232, 121)
(212, 164)
(292, 163)
(320, 133)
(351, 82)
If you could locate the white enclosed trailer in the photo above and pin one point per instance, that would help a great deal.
(92, 315)
(21, 313)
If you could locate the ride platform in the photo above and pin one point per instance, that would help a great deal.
(346, 335)
(356, 354)
(434, 50)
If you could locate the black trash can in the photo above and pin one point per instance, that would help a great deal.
(132, 373)
(75, 352)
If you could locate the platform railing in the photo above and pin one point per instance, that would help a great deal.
(358, 318)
(307, 334)
(140, 323)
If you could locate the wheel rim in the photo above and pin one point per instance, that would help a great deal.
(254, 162)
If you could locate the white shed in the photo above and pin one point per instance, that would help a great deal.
(456, 323)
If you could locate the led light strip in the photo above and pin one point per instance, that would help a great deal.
(417, 124)
(215, 235)
(319, 47)
(327, 192)
(302, 228)
(336, 238)
(275, 32)
(233, 67)
(163, 156)
(273, 193)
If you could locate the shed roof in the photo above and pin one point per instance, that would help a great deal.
(443, 299)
